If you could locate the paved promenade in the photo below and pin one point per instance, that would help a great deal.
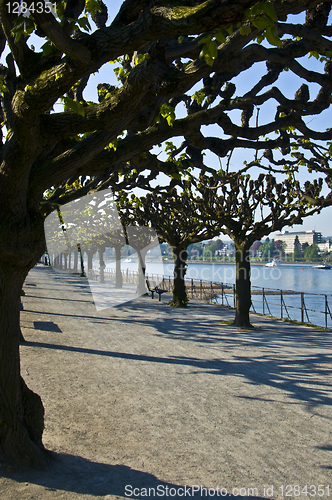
(145, 396)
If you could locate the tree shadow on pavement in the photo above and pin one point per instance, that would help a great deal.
(302, 377)
(76, 474)
(294, 359)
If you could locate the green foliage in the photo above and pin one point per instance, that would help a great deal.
(48, 49)
(168, 112)
(112, 145)
(22, 26)
(267, 249)
(141, 57)
(209, 50)
(327, 55)
(70, 104)
(311, 252)
(263, 17)
(82, 22)
(210, 250)
(3, 87)
(91, 6)
(297, 248)
(169, 146)
(104, 92)
(272, 36)
(220, 37)
(120, 73)
(313, 53)
(181, 170)
(245, 30)
(198, 96)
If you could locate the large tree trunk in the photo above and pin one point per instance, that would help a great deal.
(65, 255)
(80, 251)
(141, 288)
(21, 410)
(243, 286)
(101, 265)
(75, 264)
(180, 297)
(90, 259)
(118, 273)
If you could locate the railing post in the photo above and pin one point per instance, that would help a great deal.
(192, 288)
(263, 302)
(326, 307)
(281, 304)
(201, 288)
(222, 293)
(302, 308)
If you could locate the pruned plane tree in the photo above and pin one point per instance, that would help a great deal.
(247, 207)
(160, 50)
(179, 219)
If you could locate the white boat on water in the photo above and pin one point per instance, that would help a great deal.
(273, 263)
(323, 266)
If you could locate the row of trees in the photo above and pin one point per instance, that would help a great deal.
(309, 252)
(159, 51)
(203, 207)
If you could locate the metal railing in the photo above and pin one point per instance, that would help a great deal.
(305, 307)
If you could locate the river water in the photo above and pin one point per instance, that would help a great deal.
(286, 277)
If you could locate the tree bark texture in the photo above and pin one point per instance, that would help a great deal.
(118, 273)
(141, 288)
(21, 410)
(75, 265)
(243, 286)
(101, 265)
(90, 257)
(22, 244)
(180, 297)
(82, 260)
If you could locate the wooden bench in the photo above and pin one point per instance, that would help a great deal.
(92, 274)
(153, 288)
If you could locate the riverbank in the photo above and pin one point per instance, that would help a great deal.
(222, 263)
(146, 395)
(232, 263)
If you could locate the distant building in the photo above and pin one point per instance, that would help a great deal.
(325, 247)
(309, 237)
(226, 250)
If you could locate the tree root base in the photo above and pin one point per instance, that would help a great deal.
(243, 324)
(178, 304)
